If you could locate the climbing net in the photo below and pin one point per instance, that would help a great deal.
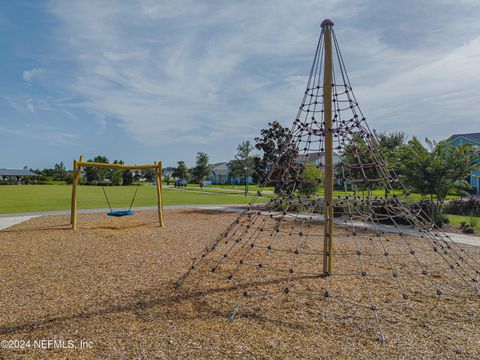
(389, 258)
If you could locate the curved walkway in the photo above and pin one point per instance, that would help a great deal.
(7, 220)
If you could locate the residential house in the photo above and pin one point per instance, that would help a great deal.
(474, 139)
(168, 171)
(220, 174)
(317, 158)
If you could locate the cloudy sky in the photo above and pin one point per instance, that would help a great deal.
(160, 80)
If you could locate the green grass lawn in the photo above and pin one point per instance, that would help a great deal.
(375, 192)
(457, 219)
(227, 191)
(30, 198)
(381, 193)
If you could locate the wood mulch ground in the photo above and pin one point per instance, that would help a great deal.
(112, 283)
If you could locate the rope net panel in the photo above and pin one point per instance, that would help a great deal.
(388, 258)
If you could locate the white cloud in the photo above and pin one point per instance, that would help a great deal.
(48, 135)
(196, 72)
(432, 98)
(30, 106)
(29, 75)
(186, 71)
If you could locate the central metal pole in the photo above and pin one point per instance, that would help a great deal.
(327, 116)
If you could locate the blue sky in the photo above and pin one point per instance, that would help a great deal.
(160, 80)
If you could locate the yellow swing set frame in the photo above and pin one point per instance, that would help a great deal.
(77, 170)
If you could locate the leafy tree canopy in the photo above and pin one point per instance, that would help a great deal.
(277, 146)
(436, 169)
(181, 171)
(201, 169)
(311, 179)
(243, 160)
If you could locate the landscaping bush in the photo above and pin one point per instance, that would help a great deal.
(466, 228)
(466, 207)
(424, 209)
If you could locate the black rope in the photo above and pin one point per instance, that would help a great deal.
(134, 195)
(396, 264)
(106, 198)
(131, 203)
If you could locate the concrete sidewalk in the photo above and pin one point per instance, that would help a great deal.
(7, 220)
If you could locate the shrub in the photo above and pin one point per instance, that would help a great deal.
(466, 228)
(468, 207)
(441, 220)
(311, 180)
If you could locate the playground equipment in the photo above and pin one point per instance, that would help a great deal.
(388, 258)
(77, 168)
(120, 213)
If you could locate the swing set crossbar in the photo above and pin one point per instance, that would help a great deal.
(116, 166)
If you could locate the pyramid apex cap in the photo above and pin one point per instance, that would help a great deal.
(327, 22)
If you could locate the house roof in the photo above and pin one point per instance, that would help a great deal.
(168, 169)
(472, 136)
(219, 169)
(214, 165)
(315, 157)
(16, 172)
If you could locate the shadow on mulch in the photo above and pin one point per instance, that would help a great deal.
(68, 226)
(207, 211)
(148, 299)
(120, 227)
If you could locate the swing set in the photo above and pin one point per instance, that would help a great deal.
(77, 170)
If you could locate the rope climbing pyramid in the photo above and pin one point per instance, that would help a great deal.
(366, 262)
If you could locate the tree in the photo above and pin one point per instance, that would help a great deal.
(389, 144)
(148, 174)
(311, 180)
(359, 163)
(236, 168)
(127, 177)
(244, 151)
(167, 178)
(59, 172)
(278, 148)
(181, 171)
(243, 159)
(116, 175)
(96, 175)
(137, 175)
(361, 153)
(256, 177)
(201, 169)
(436, 170)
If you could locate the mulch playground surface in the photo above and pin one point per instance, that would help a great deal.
(112, 283)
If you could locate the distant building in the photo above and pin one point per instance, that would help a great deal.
(317, 158)
(15, 175)
(220, 174)
(474, 139)
(168, 171)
